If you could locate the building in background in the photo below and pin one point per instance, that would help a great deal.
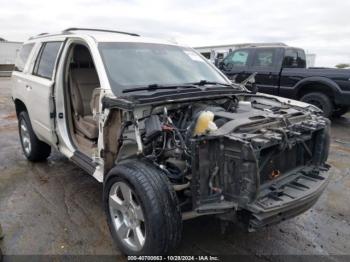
(218, 52)
(8, 53)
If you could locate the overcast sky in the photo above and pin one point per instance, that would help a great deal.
(319, 26)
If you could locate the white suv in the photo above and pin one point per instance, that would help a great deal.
(169, 136)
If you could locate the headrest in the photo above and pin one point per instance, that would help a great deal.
(82, 54)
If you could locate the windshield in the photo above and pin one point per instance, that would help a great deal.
(130, 65)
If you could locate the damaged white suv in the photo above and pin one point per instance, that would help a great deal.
(169, 136)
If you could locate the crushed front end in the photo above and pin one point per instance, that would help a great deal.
(267, 166)
(255, 158)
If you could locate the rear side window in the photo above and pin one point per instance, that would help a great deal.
(294, 59)
(301, 59)
(264, 57)
(290, 59)
(237, 58)
(23, 57)
(46, 60)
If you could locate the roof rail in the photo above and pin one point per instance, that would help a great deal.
(37, 36)
(98, 30)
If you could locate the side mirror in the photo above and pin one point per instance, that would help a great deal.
(249, 83)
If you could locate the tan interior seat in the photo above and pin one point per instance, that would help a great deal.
(83, 82)
(95, 102)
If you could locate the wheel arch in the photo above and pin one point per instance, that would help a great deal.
(317, 84)
(20, 106)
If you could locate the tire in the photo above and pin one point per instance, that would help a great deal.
(340, 111)
(34, 149)
(151, 193)
(320, 100)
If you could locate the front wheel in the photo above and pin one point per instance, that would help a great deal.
(320, 100)
(142, 209)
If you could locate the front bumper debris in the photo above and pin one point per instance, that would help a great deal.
(288, 198)
(267, 174)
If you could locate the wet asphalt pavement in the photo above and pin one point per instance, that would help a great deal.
(55, 208)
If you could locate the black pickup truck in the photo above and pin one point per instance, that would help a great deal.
(281, 71)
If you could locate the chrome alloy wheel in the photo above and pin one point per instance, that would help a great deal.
(27, 146)
(127, 216)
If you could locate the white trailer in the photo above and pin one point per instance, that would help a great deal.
(8, 53)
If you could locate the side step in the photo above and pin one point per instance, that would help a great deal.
(84, 162)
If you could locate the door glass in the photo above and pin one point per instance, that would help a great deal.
(301, 59)
(264, 57)
(46, 60)
(237, 59)
(294, 59)
(206, 55)
(23, 57)
(290, 59)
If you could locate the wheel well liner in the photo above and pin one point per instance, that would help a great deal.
(20, 106)
(317, 84)
(315, 87)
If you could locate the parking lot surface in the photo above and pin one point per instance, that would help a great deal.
(54, 208)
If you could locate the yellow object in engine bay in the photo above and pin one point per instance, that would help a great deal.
(205, 123)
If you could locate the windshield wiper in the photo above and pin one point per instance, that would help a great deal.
(206, 82)
(154, 87)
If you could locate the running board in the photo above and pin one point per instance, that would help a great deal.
(84, 162)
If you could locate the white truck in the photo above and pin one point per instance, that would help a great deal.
(168, 135)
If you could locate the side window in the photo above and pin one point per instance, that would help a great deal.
(294, 59)
(264, 57)
(301, 59)
(237, 58)
(206, 55)
(290, 59)
(46, 60)
(23, 57)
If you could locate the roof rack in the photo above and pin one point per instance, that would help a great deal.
(83, 29)
(37, 36)
(98, 30)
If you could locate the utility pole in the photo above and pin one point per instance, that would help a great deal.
(1, 233)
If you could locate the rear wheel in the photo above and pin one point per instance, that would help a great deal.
(320, 100)
(340, 111)
(33, 148)
(142, 209)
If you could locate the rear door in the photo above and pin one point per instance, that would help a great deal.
(18, 78)
(236, 63)
(39, 86)
(265, 63)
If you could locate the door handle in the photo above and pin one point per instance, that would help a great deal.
(28, 87)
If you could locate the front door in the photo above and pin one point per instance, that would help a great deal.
(235, 65)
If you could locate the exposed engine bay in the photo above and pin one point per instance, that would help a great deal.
(243, 155)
